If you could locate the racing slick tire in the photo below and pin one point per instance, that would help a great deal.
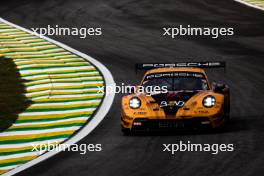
(126, 131)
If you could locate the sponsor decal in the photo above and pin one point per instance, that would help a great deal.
(172, 103)
(213, 64)
(174, 74)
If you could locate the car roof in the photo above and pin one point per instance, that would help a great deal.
(178, 69)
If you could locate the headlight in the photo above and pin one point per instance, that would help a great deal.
(209, 101)
(134, 103)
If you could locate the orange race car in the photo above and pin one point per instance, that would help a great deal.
(181, 98)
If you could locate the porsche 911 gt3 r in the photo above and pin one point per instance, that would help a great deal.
(190, 101)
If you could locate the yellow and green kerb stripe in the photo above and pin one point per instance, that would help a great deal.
(259, 3)
(64, 90)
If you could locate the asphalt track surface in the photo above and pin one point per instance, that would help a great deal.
(132, 33)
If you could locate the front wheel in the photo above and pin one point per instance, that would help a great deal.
(227, 117)
(126, 131)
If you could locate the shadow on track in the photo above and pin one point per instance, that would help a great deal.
(12, 98)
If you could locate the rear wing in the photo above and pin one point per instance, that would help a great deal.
(149, 66)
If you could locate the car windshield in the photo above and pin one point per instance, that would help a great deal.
(178, 83)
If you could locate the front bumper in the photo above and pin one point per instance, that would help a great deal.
(171, 124)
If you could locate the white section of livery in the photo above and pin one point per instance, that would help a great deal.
(99, 115)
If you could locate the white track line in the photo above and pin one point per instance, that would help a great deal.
(45, 70)
(64, 103)
(9, 167)
(25, 114)
(33, 132)
(61, 74)
(53, 122)
(30, 144)
(98, 117)
(250, 5)
(35, 153)
(51, 84)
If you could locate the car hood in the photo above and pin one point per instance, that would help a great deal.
(171, 102)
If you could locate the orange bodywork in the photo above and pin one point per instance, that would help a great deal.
(191, 110)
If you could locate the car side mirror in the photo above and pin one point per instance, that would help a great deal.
(218, 86)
